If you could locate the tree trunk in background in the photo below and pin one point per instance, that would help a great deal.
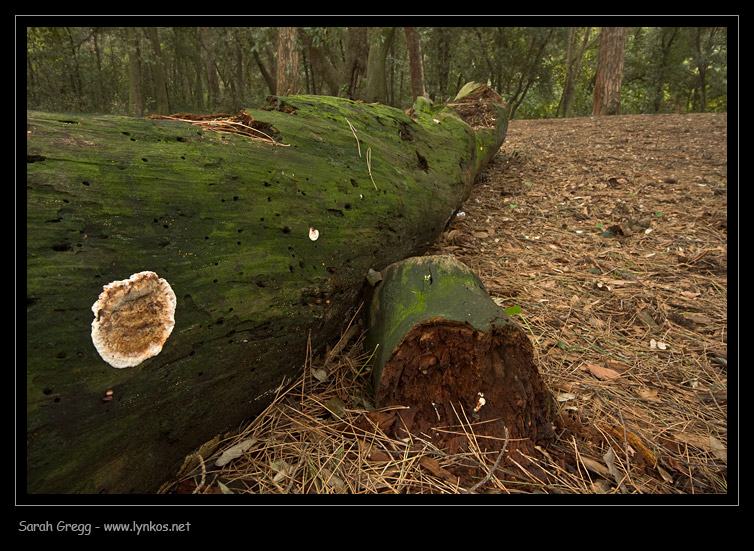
(667, 38)
(158, 72)
(573, 65)
(228, 221)
(609, 71)
(135, 102)
(442, 48)
(271, 82)
(210, 68)
(357, 50)
(342, 71)
(528, 75)
(415, 61)
(703, 52)
(326, 66)
(287, 67)
(376, 84)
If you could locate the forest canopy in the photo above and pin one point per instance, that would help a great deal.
(542, 71)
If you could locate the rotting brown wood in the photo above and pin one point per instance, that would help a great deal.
(455, 360)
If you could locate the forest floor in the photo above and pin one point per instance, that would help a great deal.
(610, 235)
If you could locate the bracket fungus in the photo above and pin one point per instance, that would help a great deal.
(132, 319)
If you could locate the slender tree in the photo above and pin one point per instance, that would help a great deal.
(573, 65)
(135, 101)
(529, 73)
(704, 47)
(158, 72)
(609, 71)
(666, 38)
(441, 51)
(415, 62)
(338, 58)
(376, 84)
(210, 67)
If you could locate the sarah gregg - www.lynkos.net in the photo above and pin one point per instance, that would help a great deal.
(86, 528)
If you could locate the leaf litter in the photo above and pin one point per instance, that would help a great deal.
(608, 237)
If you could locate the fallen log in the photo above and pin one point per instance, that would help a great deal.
(246, 236)
(458, 364)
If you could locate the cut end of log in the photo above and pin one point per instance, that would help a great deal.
(457, 368)
(459, 383)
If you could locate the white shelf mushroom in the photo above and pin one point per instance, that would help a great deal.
(132, 319)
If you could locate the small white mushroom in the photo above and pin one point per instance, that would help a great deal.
(480, 402)
(313, 233)
(132, 319)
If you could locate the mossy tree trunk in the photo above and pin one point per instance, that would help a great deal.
(453, 358)
(226, 220)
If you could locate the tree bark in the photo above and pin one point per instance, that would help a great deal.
(226, 221)
(609, 71)
(573, 65)
(287, 66)
(667, 37)
(135, 100)
(268, 78)
(447, 353)
(213, 82)
(158, 72)
(376, 84)
(416, 64)
(703, 51)
(441, 47)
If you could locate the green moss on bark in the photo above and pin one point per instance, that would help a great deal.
(225, 220)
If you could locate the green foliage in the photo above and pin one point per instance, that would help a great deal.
(85, 69)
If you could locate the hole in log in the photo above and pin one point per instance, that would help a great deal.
(422, 162)
(404, 132)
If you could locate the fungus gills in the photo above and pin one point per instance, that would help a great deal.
(132, 319)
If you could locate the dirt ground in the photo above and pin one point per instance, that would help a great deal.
(610, 234)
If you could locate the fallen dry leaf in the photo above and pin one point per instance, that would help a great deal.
(234, 452)
(718, 448)
(595, 466)
(647, 393)
(602, 373)
(434, 467)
